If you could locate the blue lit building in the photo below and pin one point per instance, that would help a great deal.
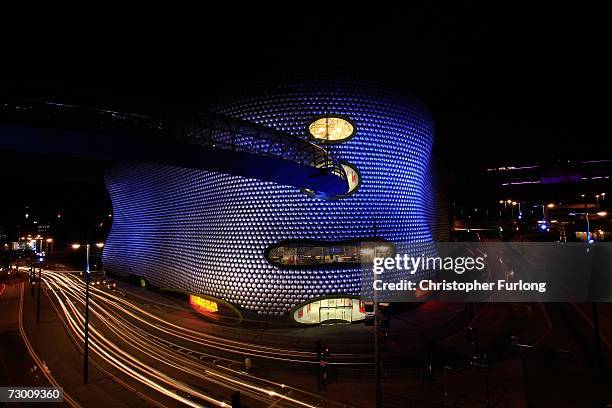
(274, 250)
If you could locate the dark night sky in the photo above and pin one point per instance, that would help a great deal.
(520, 76)
(504, 83)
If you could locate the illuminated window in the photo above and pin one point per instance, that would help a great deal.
(310, 253)
(331, 129)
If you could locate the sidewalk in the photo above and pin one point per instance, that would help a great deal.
(465, 388)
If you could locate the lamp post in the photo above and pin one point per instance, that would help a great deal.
(588, 225)
(77, 246)
(86, 346)
(487, 373)
(39, 284)
(596, 334)
(32, 273)
(377, 351)
(376, 336)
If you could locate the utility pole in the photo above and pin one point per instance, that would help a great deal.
(377, 350)
(447, 368)
(486, 367)
(32, 276)
(86, 347)
(376, 336)
(596, 338)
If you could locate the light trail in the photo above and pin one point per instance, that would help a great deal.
(115, 313)
(50, 378)
(116, 357)
(203, 339)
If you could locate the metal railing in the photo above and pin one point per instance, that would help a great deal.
(211, 130)
(223, 132)
(369, 374)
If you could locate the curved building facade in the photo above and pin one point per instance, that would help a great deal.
(268, 248)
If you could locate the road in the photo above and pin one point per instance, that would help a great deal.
(176, 362)
(167, 361)
(17, 356)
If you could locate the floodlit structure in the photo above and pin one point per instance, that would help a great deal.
(275, 250)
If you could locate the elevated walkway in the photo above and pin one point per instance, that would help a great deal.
(207, 141)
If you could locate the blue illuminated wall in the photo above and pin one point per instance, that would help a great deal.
(206, 232)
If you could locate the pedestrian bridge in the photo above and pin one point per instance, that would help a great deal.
(207, 141)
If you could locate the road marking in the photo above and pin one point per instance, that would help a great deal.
(37, 359)
(279, 400)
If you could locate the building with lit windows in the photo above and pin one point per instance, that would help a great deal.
(271, 250)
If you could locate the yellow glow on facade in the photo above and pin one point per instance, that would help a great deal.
(203, 305)
(331, 129)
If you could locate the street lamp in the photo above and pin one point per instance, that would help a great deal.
(377, 370)
(377, 350)
(86, 347)
(588, 224)
(40, 261)
(76, 246)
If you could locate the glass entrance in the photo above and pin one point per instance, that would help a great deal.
(329, 309)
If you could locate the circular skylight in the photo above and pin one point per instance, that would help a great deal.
(331, 129)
